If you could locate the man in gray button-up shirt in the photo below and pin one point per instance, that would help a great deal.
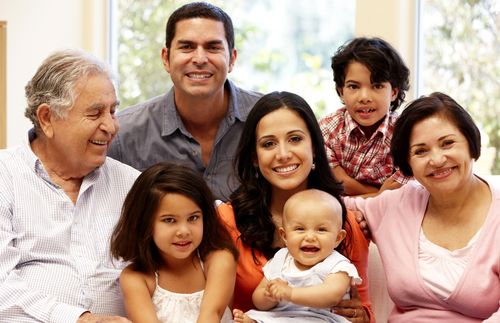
(199, 121)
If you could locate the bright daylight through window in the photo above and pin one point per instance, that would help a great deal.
(282, 45)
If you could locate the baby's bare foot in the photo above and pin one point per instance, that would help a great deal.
(240, 317)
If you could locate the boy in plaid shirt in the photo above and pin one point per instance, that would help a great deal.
(371, 80)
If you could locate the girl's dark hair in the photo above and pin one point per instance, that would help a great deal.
(132, 239)
(423, 108)
(380, 58)
(251, 201)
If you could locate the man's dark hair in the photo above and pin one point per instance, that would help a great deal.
(199, 10)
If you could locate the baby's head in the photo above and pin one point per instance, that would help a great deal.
(381, 63)
(312, 226)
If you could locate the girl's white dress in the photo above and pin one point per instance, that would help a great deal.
(180, 308)
(282, 266)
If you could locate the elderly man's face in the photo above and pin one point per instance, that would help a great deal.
(83, 137)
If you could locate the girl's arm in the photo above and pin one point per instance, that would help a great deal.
(261, 297)
(220, 270)
(137, 297)
(325, 295)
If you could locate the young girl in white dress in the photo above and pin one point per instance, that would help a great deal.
(170, 233)
(304, 280)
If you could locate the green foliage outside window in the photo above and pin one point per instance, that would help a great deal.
(282, 45)
(461, 51)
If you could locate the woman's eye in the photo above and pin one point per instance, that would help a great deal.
(419, 152)
(267, 144)
(296, 139)
(194, 218)
(448, 143)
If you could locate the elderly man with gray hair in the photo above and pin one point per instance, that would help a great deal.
(60, 197)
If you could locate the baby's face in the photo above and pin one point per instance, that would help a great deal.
(311, 232)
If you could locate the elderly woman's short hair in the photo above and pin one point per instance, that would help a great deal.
(423, 108)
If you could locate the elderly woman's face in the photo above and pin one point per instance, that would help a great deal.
(83, 137)
(439, 155)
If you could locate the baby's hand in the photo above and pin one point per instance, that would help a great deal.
(279, 290)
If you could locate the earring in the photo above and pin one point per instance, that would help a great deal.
(257, 172)
(313, 166)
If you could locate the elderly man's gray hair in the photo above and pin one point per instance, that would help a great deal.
(54, 83)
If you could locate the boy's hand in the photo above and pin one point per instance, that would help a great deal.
(279, 290)
(389, 184)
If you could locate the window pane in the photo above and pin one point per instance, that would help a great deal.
(282, 45)
(460, 56)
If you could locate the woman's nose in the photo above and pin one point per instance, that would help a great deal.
(437, 157)
(284, 152)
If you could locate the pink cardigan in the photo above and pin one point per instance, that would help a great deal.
(395, 218)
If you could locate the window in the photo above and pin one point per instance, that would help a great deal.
(282, 45)
(459, 56)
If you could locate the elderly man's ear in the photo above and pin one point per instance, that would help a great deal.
(44, 115)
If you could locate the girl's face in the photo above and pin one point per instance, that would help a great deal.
(439, 155)
(284, 150)
(178, 227)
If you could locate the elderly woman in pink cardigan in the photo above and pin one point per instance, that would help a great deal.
(438, 236)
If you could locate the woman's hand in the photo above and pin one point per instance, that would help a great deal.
(352, 309)
(360, 218)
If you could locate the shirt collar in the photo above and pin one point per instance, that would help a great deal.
(36, 164)
(383, 128)
(173, 121)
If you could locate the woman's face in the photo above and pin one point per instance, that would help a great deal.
(439, 155)
(284, 150)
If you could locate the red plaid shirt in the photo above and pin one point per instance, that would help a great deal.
(367, 160)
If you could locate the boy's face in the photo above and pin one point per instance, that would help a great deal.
(311, 232)
(367, 103)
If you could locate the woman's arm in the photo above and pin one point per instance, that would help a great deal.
(137, 297)
(353, 309)
(358, 308)
(220, 270)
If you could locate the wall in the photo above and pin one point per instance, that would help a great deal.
(3, 83)
(36, 29)
(398, 26)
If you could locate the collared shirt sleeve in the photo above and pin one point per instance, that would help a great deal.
(367, 160)
(331, 130)
(400, 178)
(54, 255)
(17, 299)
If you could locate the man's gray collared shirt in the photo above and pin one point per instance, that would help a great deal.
(153, 132)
